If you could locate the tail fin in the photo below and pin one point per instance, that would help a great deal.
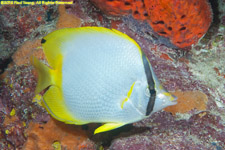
(44, 77)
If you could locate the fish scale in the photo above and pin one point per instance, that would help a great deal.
(103, 57)
(99, 76)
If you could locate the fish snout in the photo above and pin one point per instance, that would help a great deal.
(173, 99)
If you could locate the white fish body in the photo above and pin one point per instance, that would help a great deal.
(100, 76)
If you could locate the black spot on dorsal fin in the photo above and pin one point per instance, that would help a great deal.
(43, 41)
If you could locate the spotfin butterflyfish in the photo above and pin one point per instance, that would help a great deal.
(98, 75)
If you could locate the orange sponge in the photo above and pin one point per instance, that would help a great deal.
(66, 20)
(187, 101)
(22, 55)
(45, 136)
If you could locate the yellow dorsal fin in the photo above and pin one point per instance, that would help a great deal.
(128, 95)
(52, 46)
(47, 76)
(107, 127)
(44, 77)
(128, 38)
(55, 105)
(53, 41)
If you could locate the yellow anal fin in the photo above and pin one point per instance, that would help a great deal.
(108, 127)
(55, 105)
(44, 77)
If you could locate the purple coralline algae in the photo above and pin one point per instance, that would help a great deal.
(16, 106)
(165, 132)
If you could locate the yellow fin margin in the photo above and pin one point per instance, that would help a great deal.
(129, 39)
(53, 97)
(53, 41)
(55, 105)
(52, 44)
(44, 78)
(108, 127)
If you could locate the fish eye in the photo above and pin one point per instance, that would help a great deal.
(147, 93)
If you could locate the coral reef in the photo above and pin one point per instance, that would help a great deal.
(19, 23)
(16, 107)
(196, 77)
(171, 19)
(166, 133)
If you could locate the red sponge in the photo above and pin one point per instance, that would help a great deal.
(184, 22)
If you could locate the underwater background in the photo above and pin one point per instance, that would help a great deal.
(184, 41)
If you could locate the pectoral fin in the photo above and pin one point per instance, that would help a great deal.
(128, 96)
(108, 126)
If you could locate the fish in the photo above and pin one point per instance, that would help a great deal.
(98, 75)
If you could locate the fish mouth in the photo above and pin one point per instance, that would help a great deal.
(174, 99)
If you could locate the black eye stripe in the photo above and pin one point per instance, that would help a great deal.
(151, 85)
